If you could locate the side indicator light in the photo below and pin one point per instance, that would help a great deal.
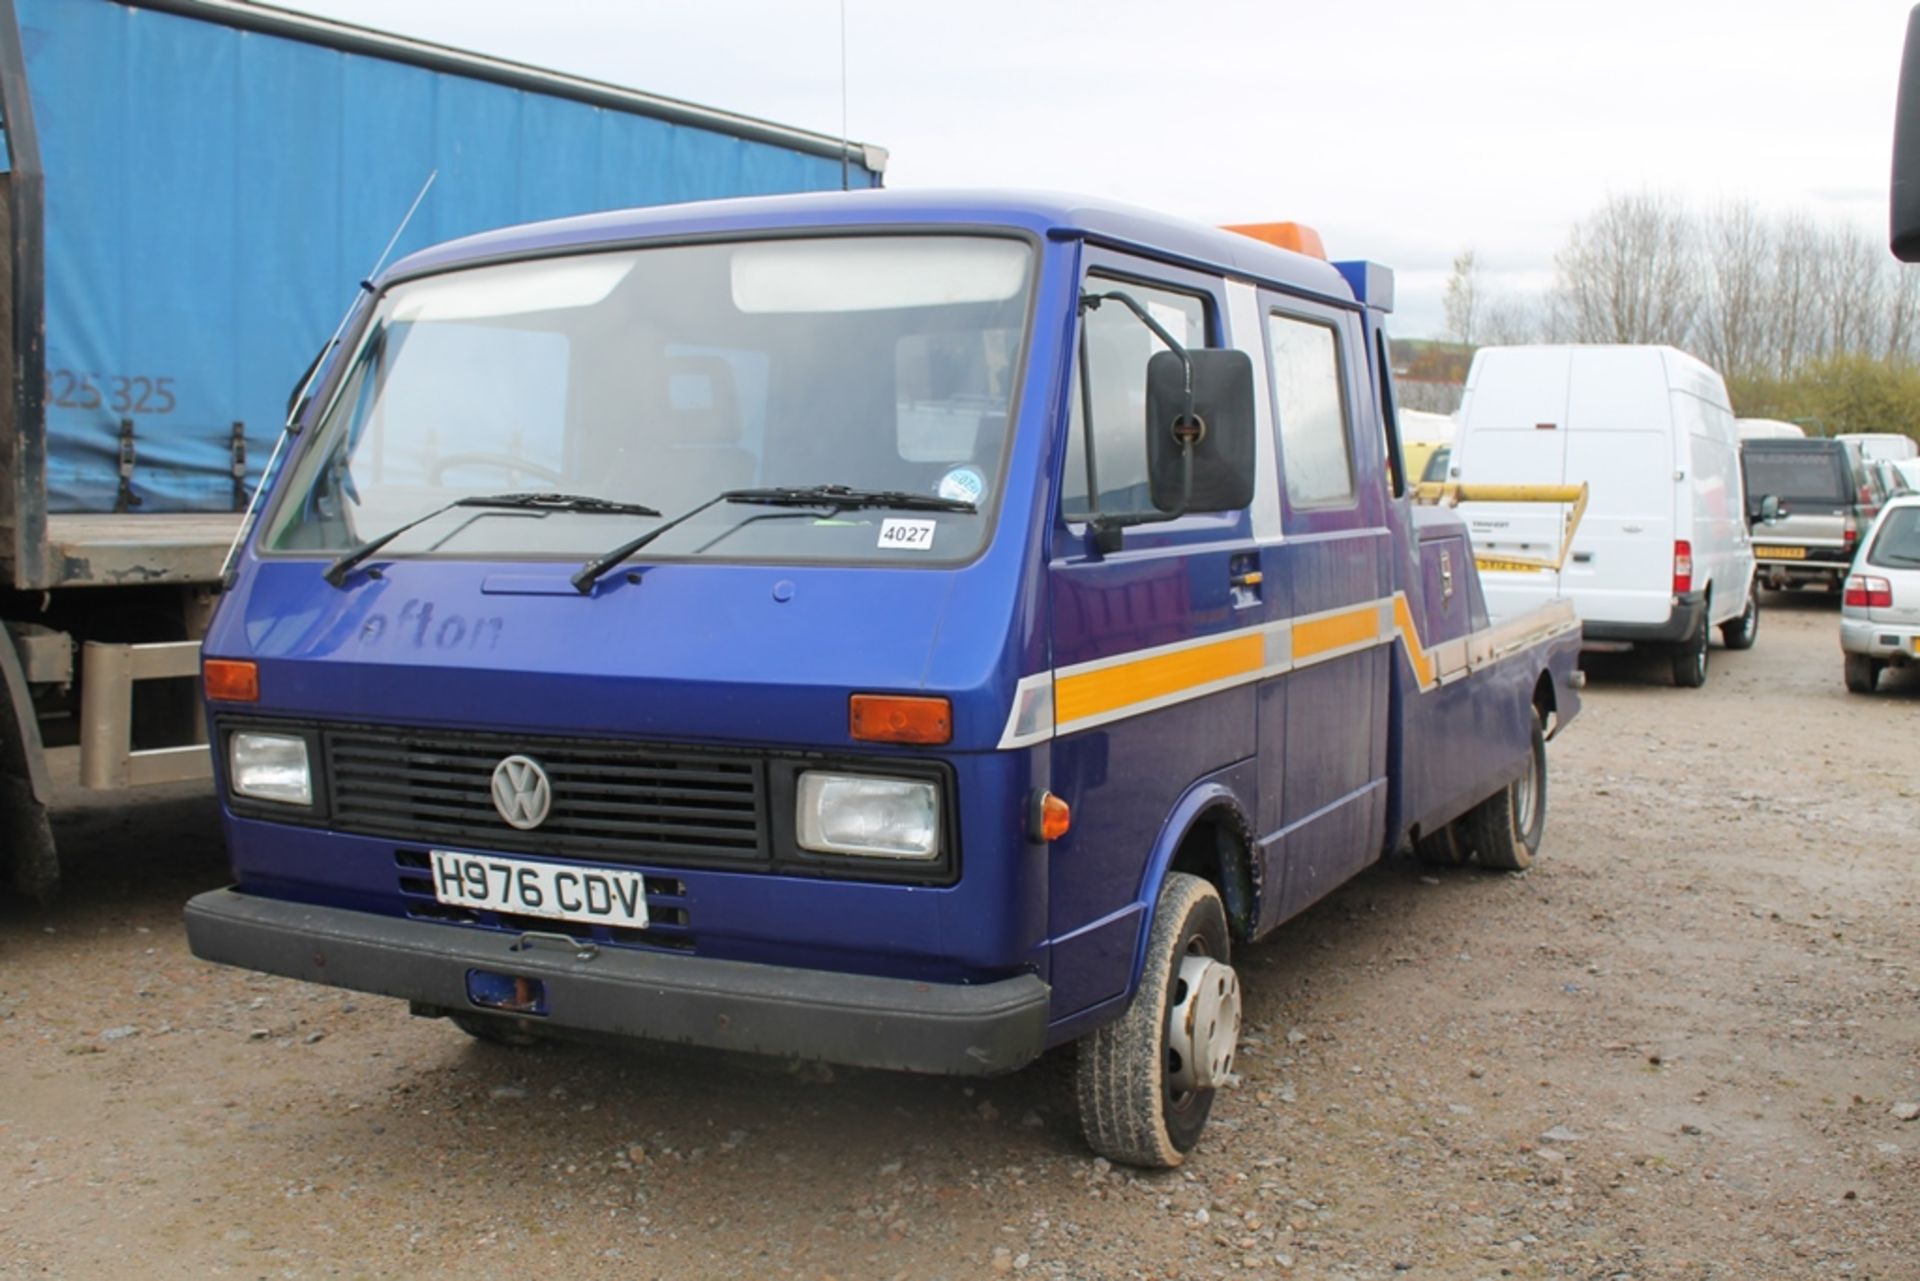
(1051, 818)
(899, 718)
(231, 680)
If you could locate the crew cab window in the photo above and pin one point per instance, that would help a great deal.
(1117, 349)
(1311, 412)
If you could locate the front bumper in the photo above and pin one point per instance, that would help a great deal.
(1888, 642)
(859, 1020)
(1689, 615)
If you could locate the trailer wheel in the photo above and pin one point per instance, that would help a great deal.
(1505, 828)
(1862, 673)
(1146, 1082)
(1743, 631)
(1690, 660)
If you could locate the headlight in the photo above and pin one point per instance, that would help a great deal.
(873, 817)
(270, 767)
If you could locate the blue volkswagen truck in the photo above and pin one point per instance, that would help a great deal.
(901, 630)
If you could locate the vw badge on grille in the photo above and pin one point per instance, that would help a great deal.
(521, 792)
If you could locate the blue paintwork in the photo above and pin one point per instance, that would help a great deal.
(213, 193)
(1327, 768)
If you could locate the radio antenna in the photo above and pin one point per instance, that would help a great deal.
(295, 405)
(845, 145)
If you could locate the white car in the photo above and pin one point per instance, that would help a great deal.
(1880, 613)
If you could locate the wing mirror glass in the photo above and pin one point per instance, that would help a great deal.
(1200, 430)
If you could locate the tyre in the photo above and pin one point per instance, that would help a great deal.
(1443, 848)
(1146, 1082)
(1505, 829)
(1741, 632)
(1690, 660)
(495, 1031)
(1863, 673)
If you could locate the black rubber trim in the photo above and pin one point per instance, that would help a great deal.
(1688, 616)
(854, 1019)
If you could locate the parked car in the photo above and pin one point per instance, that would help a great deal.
(1827, 497)
(1662, 555)
(1880, 612)
(1423, 436)
(1878, 446)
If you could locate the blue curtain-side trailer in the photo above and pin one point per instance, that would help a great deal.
(192, 189)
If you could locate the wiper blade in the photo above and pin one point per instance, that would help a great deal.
(337, 572)
(843, 497)
(836, 497)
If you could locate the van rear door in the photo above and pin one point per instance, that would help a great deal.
(1513, 432)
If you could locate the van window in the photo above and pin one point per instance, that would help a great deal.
(1117, 349)
(1311, 411)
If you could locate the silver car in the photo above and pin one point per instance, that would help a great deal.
(1880, 612)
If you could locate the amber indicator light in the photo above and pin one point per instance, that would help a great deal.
(231, 680)
(1055, 817)
(899, 718)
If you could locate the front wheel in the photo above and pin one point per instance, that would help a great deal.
(1863, 673)
(1740, 633)
(1146, 1082)
(1505, 829)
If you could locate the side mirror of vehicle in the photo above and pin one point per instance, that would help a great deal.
(1200, 460)
(1771, 509)
(1905, 220)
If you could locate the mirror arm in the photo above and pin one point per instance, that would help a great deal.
(1106, 529)
(1086, 424)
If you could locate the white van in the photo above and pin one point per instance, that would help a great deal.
(1883, 446)
(1768, 429)
(1662, 555)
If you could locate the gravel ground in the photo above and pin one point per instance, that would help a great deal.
(1680, 1047)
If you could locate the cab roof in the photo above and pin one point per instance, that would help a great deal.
(1048, 215)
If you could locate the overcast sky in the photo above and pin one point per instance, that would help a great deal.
(1405, 130)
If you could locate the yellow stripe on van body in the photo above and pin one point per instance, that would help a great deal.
(1416, 654)
(1126, 685)
(1143, 680)
(1350, 627)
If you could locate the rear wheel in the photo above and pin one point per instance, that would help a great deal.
(1146, 1082)
(1690, 660)
(1863, 673)
(1741, 632)
(1505, 828)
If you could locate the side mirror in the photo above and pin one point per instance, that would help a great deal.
(1202, 463)
(1771, 509)
(1905, 220)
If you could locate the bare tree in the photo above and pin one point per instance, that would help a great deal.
(1629, 274)
(1733, 331)
(1796, 267)
(1462, 299)
(1506, 322)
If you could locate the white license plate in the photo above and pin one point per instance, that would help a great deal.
(596, 895)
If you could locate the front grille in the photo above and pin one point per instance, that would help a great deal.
(615, 802)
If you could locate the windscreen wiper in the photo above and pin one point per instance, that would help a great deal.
(337, 572)
(844, 497)
(833, 497)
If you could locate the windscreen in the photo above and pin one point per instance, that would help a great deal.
(1802, 475)
(1897, 544)
(666, 376)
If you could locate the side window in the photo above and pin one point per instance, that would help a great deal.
(1311, 411)
(1116, 349)
(1390, 418)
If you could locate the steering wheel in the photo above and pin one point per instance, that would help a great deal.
(515, 467)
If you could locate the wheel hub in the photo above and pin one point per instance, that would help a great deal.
(1204, 1028)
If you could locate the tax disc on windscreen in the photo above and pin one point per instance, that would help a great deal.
(963, 485)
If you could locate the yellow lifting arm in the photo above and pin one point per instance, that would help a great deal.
(1433, 493)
